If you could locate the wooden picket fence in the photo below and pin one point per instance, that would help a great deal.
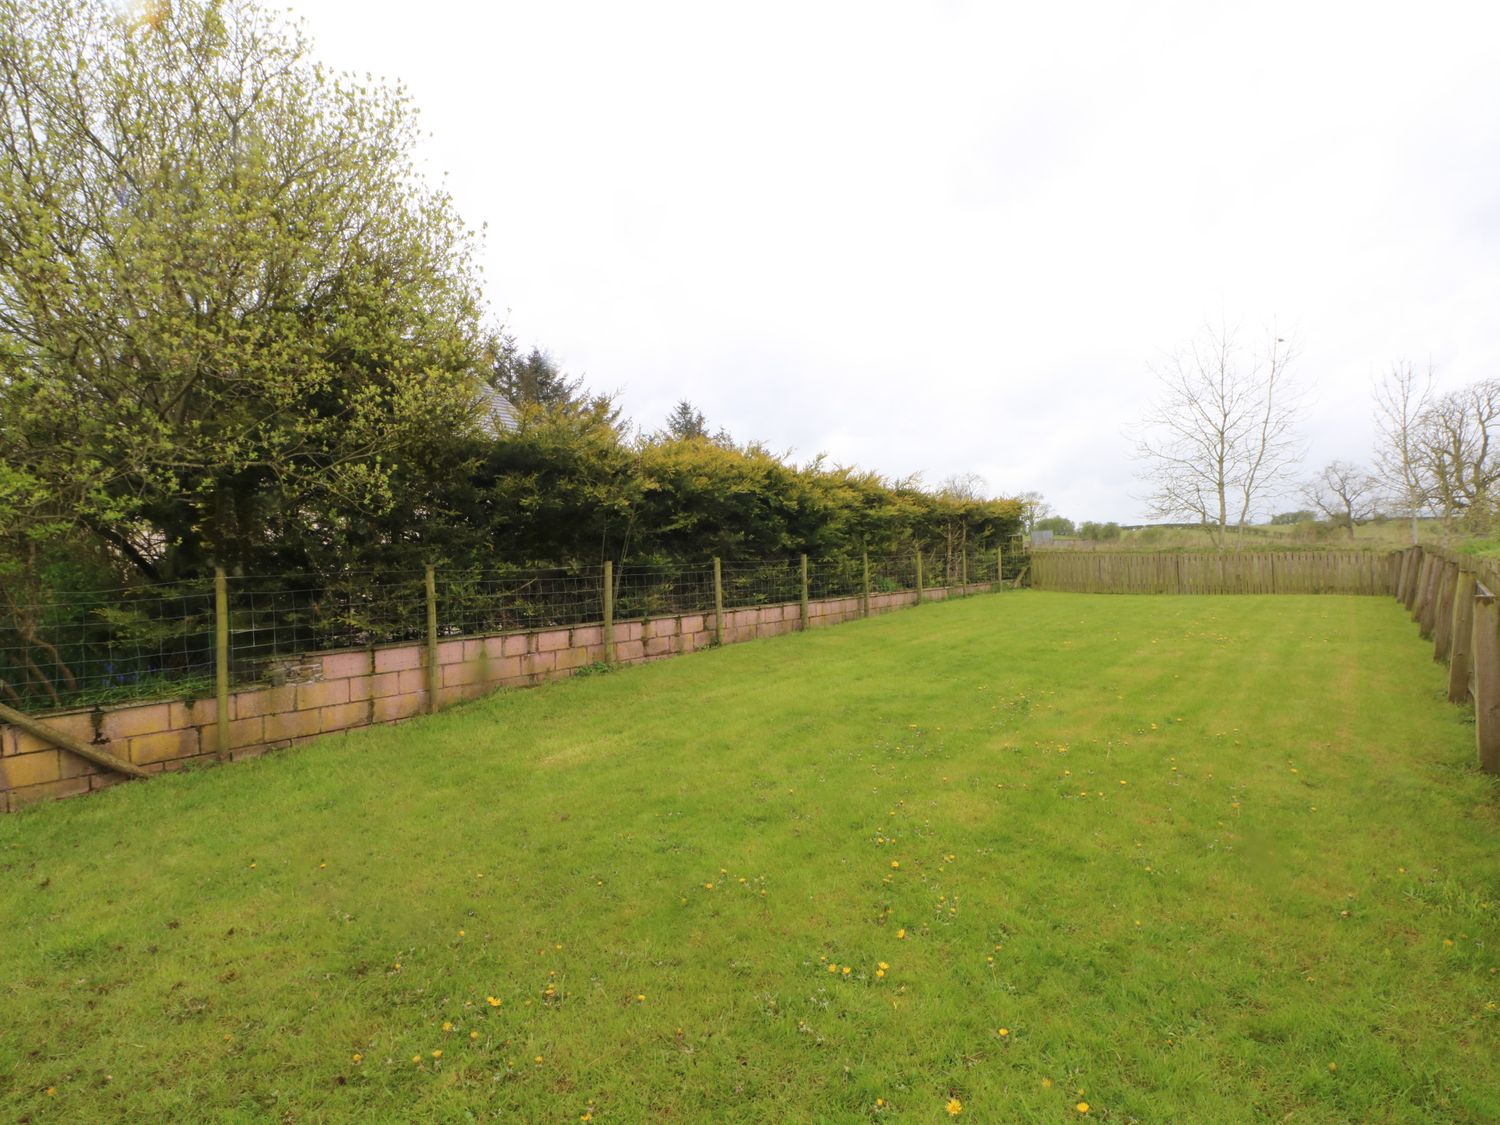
(1248, 572)
(1451, 597)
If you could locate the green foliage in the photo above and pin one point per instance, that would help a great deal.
(1302, 515)
(227, 305)
(1058, 525)
(1099, 532)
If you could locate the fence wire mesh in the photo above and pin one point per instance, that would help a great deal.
(132, 643)
(103, 645)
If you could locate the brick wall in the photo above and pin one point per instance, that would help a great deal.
(336, 691)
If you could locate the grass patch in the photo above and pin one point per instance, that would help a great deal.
(1203, 859)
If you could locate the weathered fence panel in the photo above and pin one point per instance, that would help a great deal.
(1246, 572)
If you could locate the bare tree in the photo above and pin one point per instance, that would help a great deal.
(1344, 493)
(1457, 452)
(1220, 438)
(1034, 507)
(1402, 398)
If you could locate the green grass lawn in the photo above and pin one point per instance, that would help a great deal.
(1180, 859)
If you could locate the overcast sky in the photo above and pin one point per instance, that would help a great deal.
(953, 237)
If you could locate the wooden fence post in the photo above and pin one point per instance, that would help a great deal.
(802, 605)
(221, 664)
(1487, 681)
(95, 754)
(1414, 587)
(963, 574)
(1442, 630)
(919, 576)
(1428, 618)
(866, 606)
(718, 602)
(609, 611)
(1000, 568)
(1460, 662)
(432, 641)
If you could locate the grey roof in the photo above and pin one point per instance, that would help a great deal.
(501, 415)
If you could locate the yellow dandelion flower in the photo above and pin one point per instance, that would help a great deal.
(640, 997)
(879, 1103)
(1004, 1032)
(708, 886)
(883, 965)
(879, 974)
(1046, 1083)
(460, 933)
(417, 1059)
(437, 1054)
(492, 1002)
(1082, 1107)
(1333, 1066)
(537, 1060)
(51, 1091)
(954, 1107)
(358, 1058)
(895, 863)
(847, 970)
(900, 935)
(447, 1025)
(833, 968)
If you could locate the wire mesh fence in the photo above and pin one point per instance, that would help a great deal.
(133, 643)
(98, 646)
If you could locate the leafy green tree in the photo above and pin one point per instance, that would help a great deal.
(228, 306)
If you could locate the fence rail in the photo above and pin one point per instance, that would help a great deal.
(1249, 572)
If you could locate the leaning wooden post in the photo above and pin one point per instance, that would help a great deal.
(609, 611)
(1442, 630)
(802, 600)
(718, 602)
(1487, 680)
(432, 641)
(221, 664)
(866, 606)
(919, 576)
(95, 754)
(1460, 662)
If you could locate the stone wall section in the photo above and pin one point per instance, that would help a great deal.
(338, 691)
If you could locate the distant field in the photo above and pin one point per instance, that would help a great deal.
(1026, 857)
(1388, 536)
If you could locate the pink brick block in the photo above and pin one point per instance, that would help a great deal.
(552, 641)
(386, 683)
(329, 692)
(392, 707)
(692, 623)
(269, 701)
(361, 687)
(414, 679)
(540, 663)
(71, 765)
(291, 724)
(242, 732)
(500, 668)
(473, 649)
(342, 716)
(659, 646)
(339, 665)
(20, 770)
(660, 627)
(469, 672)
(628, 631)
(518, 644)
(77, 724)
(48, 791)
(627, 652)
(198, 713)
(588, 635)
(398, 659)
(572, 658)
(130, 721)
(163, 746)
(450, 652)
